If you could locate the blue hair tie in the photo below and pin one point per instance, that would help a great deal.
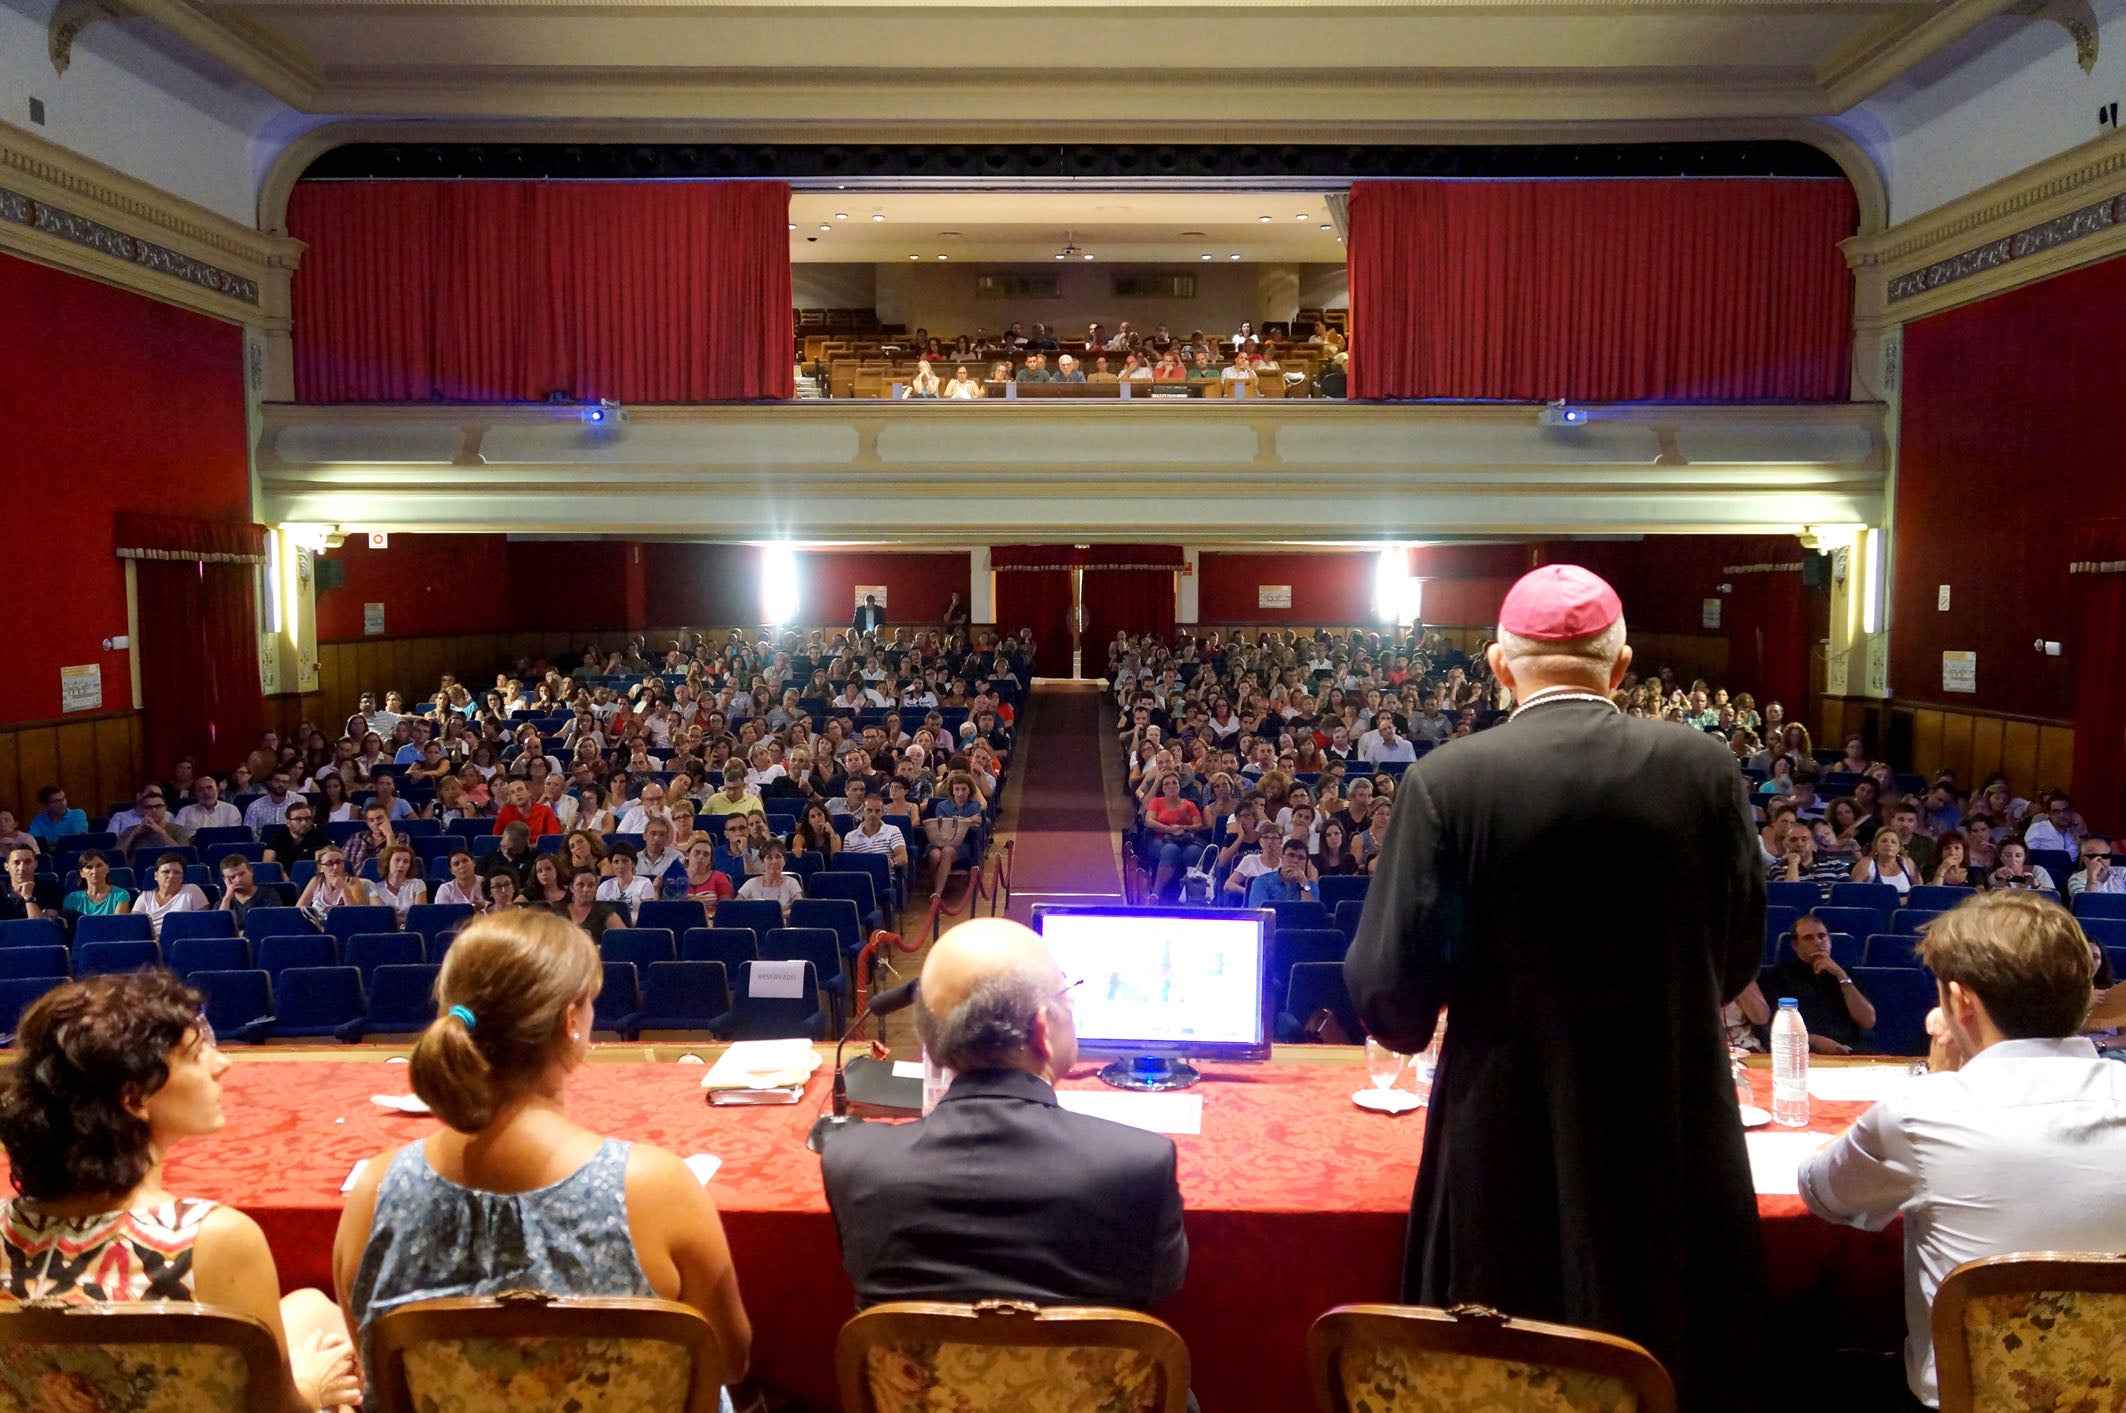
(464, 1013)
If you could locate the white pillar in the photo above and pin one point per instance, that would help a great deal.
(1186, 603)
(981, 587)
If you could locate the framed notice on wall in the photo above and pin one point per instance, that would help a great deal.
(1959, 672)
(1273, 596)
(373, 620)
(81, 688)
(1709, 614)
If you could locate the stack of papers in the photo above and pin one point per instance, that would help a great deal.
(762, 1072)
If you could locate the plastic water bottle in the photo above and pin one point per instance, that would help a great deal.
(1790, 1066)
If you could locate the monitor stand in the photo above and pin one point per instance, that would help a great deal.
(1150, 1072)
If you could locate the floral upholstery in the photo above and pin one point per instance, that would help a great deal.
(121, 1378)
(2046, 1350)
(933, 1377)
(518, 1375)
(1379, 1379)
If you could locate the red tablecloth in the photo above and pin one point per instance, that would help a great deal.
(1296, 1202)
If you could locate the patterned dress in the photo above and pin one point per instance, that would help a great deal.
(143, 1254)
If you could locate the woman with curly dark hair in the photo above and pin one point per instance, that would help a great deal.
(111, 1073)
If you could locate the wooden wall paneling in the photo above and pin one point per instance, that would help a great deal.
(1987, 734)
(38, 748)
(1926, 741)
(15, 795)
(1956, 737)
(2055, 757)
(2019, 755)
(116, 755)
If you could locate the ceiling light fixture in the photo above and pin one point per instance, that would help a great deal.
(1328, 228)
(941, 257)
(793, 225)
(1070, 249)
(841, 215)
(1264, 219)
(915, 257)
(1206, 257)
(876, 217)
(1300, 217)
(826, 228)
(1234, 256)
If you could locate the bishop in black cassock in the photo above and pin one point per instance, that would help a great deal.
(1581, 891)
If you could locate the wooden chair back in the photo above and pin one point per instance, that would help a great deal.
(596, 1353)
(170, 1358)
(2056, 1318)
(912, 1356)
(1474, 1358)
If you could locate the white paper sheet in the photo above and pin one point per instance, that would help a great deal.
(703, 1166)
(1858, 1083)
(780, 980)
(907, 1069)
(1776, 1156)
(1154, 1113)
(404, 1103)
(354, 1175)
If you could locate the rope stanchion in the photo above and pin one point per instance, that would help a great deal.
(985, 880)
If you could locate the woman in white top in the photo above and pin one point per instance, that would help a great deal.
(399, 888)
(338, 808)
(1245, 336)
(171, 894)
(330, 887)
(463, 888)
(624, 888)
(1886, 863)
(962, 388)
(1239, 374)
(771, 881)
(924, 383)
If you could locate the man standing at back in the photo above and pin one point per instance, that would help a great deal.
(1583, 1162)
(1000, 1193)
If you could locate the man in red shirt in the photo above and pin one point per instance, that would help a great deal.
(536, 815)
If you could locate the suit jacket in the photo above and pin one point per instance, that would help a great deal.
(1583, 1161)
(1003, 1194)
(869, 618)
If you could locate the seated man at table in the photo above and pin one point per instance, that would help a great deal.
(1831, 1004)
(1001, 1193)
(2015, 1143)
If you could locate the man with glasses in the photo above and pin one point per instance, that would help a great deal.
(2054, 831)
(153, 828)
(2096, 875)
(298, 839)
(1001, 1193)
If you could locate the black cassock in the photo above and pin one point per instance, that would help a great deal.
(1582, 891)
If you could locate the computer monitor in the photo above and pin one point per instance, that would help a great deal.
(1159, 985)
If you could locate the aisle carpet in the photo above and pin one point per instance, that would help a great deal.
(1066, 846)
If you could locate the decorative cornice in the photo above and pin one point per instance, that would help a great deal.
(67, 210)
(2051, 217)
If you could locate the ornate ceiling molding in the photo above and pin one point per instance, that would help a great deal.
(62, 209)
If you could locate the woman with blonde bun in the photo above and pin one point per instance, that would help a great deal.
(514, 1195)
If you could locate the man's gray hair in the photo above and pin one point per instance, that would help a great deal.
(1596, 648)
(990, 1029)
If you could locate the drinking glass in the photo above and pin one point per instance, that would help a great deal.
(1385, 1065)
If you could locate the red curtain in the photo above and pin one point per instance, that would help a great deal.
(484, 291)
(1129, 601)
(199, 660)
(1722, 290)
(2098, 573)
(1038, 599)
(1085, 556)
(1767, 639)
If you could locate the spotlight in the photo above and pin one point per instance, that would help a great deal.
(826, 228)
(1558, 414)
(1234, 256)
(915, 257)
(941, 257)
(793, 225)
(1206, 257)
(1264, 219)
(878, 218)
(841, 215)
(1088, 257)
(1300, 217)
(1328, 228)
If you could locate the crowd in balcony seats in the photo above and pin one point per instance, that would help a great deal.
(829, 778)
(1264, 769)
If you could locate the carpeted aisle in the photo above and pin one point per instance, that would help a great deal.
(1067, 846)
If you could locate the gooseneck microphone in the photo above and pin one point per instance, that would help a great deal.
(899, 998)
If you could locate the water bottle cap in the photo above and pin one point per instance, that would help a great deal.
(1788, 1003)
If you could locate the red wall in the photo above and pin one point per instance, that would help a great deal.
(2011, 432)
(1464, 584)
(566, 584)
(111, 402)
(428, 584)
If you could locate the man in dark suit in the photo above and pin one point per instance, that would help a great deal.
(1000, 1193)
(1583, 1161)
(869, 616)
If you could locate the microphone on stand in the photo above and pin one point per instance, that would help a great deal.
(899, 998)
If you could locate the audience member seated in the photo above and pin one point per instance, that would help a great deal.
(171, 894)
(1001, 1194)
(2096, 875)
(1832, 1007)
(2015, 1142)
(513, 1195)
(96, 897)
(771, 882)
(332, 886)
(55, 818)
(110, 1075)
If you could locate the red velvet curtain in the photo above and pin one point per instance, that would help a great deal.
(1039, 599)
(199, 660)
(1675, 289)
(1084, 556)
(484, 291)
(2098, 574)
(1129, 601)
(1767, 639)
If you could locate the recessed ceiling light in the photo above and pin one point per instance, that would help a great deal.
(1192, 235)
(1206, 257)
(793, 225)
(841, 215)
(941, 257)
(1328, 228)
(826, 228)
(1234, 256)
(915, 257)
(1088, 257)
(1264, 219)
(1059, 255)
(1300, 217)
(877, 217)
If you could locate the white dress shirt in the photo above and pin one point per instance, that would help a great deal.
(266, 813)
(2020, 1150)
(220, 815)
(2043, 835)
(638, 818)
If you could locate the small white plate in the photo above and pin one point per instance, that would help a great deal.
(404, 1103)
(1391, 1101)
(1754, 1117)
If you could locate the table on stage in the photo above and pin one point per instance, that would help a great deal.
(1296, 1201)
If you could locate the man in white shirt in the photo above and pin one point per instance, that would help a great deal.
(648, 805)
(2096, 875)
(660, 862)
(559, 800)
(1382, 744)
(270, 810)
(208, 809)
(875, 836)
(2017, 1141)
(2054, 829)
(382, 722)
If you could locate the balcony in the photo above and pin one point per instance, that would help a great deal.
(1030, 470)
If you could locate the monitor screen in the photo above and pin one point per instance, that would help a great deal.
(1163, 981)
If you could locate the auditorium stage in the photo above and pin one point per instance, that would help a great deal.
(1296, 1202)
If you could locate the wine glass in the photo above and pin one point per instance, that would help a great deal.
(1383, 1064)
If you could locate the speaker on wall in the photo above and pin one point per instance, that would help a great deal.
(331, 574)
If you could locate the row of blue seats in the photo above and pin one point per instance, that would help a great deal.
(1886, 901)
